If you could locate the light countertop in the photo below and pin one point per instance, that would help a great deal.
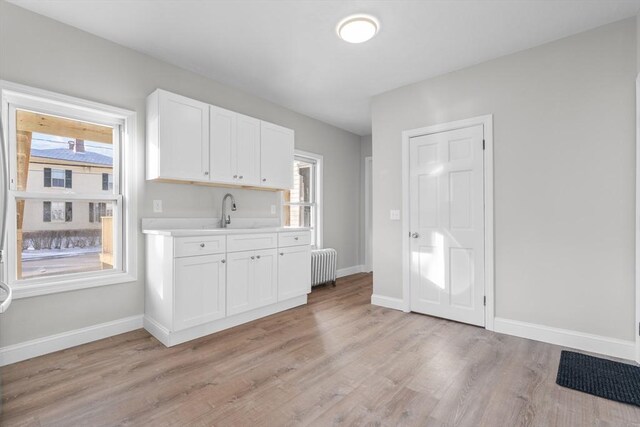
(185, 232)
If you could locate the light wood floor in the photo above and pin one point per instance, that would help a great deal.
(336, 361)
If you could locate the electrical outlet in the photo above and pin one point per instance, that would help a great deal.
(157, 206)
(394, 215)
(273, 209)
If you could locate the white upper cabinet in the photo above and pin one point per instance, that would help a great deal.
(188, 140)
(223, 141)
(247, 153)
(276, 156)
(177, 137)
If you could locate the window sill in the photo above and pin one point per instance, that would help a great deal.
(66, 285)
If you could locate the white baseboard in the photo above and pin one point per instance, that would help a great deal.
(388, 302)
(355, 269)
(170, 339)
(567, 338)
(33, 348)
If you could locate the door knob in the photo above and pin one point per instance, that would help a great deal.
(240, 177)
(415, 235)
(264, 179)
(202, 245)
(235, 176)
(253, 257)
(223, 261)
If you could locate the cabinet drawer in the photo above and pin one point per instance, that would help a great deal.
(294, 238)
(204, 245)
(249, 242)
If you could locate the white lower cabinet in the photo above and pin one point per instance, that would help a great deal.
(200, 290)
(197, 285)
(294, 271)
(252, 279)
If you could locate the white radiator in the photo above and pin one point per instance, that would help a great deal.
(323, 266)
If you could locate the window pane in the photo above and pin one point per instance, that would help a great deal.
(298, 216)
(303, 175)
(71, 241)
(62, 155)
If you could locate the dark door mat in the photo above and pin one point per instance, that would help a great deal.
(600, 377)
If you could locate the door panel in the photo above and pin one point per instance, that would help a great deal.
(447, 219)
(247, 153)
(294, 272)
(200, 296)
(184, 137)
(276, 156)
(265, 277)
(240, 282)
(223, 140)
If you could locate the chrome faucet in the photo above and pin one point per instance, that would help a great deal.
(226, 219)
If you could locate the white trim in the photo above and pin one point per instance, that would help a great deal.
(368, 238)
(40, 346)
(126, 267)
(567, 338)
(636, 325)
(388, 302)
(319, 159)
(348, 271)
(489, 285)
(177, 337)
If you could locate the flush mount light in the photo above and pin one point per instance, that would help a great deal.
(358, 28)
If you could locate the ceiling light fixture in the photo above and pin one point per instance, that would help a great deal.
(358, 28)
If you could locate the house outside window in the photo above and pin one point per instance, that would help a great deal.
(302, 205)
(64, 231)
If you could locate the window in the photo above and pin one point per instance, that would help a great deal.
(302, 205)
(63, 228)
(61, 178)
(107, 181)
(57, 211)
(97, 211)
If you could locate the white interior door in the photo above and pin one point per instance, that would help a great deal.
(447, 224)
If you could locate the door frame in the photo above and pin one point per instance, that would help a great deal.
(636, 326)
(489, 283)
(368, 168)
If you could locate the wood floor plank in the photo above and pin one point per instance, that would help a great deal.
(336, 361)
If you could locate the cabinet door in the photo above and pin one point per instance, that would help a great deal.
(183, 137)
(223, 140)
(265, 277)
(276, 156)
(247, 152)
(294, 272)
(199, 290)
(240, 268)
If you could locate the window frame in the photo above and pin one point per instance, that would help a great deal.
(126, 176)
(316, 230)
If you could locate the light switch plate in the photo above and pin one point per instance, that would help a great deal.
(157, 206)
(273, 209)
(394, 215)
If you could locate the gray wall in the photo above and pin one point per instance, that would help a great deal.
(43, 53)
(564, 176)
(366, 150)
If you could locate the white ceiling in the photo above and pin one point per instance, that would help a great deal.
(288, 52)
